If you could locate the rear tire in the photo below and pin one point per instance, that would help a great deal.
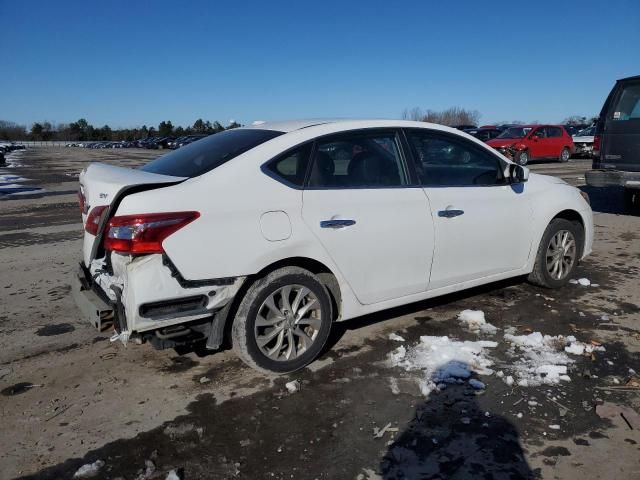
(283, 321)
(521, 157)
(565, 154)
(557, 255)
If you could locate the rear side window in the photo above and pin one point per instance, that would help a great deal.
(628, 104)
(358, 160)
(290, 167)
(210, 152)
(554, 132)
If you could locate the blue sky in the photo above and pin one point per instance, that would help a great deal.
(140, 62)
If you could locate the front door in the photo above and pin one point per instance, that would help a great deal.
(538, 143)
(482, 222)
(376, 228)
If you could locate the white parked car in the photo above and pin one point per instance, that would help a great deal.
(583, 141)
(273, 232)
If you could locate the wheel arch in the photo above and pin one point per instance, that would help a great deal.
(566, 214)
(324, 274)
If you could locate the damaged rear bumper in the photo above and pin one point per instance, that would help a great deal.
(144, 298)
(92, 303)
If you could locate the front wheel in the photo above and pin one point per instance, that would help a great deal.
(283, 321)
(558, 254)
(565, 154)
(521, 157)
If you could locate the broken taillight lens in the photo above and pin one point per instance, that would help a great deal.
(144, 233)
(93, 220)
(596, 146)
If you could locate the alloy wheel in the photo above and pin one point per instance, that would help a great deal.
(523, 159)
(288, 322)
(561, 254)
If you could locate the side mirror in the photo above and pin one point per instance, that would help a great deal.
(518, 173)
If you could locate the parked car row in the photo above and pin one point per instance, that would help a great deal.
(155, 143)
(523, 143)
(6, 146)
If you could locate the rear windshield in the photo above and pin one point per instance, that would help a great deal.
(628, 105)
(204, 155)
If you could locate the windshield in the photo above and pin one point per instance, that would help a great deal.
(587, 132)
(206, 154)
(515, 132)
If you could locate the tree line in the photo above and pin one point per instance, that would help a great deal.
(461, 116)
(82, 130)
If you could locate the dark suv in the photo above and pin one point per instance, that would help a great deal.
(616, 144)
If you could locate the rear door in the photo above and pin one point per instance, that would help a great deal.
(482, 223)
(371, 221)
(557, 141)
(621, 139)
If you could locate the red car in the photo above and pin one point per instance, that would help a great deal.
(523, 143)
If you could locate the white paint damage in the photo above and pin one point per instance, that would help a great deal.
(153, 283)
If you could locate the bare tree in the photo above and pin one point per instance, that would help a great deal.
(450, 116)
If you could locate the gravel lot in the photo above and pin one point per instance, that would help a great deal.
(69, 397)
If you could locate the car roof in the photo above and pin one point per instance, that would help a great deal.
(293, 125)
(635, 77)
(287, 126)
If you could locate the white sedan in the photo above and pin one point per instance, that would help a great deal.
(266, 235)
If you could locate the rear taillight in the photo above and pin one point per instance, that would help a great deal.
(596, 146)
(82, 202)
(94, 218)
(144, 233)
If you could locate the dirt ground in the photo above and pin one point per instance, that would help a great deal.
(69, 397)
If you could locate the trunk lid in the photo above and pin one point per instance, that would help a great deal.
(106, 185)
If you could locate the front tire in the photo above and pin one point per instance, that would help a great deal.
(565, 154)
(283, 321)
(558, 254)
(521, 157)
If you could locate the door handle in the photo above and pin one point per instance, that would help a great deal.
(336, 223)
(450, 213)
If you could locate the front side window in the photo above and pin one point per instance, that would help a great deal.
(358, 160)
(443, 160)
(540, 133)
(628, 105)
(204, 155)
(291, 167)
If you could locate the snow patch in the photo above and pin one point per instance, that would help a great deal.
(393, 384)
(543, 359)
(444, 361)
(89, 470)
(475, 321)
(585, 282)
(477, 384)
(395, 337)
